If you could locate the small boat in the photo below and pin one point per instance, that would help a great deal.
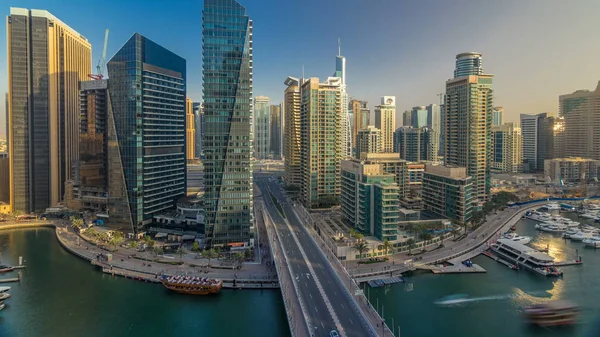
(570, 232)
(6, 269)
(4, 296)
(4, 289)
(552, 313)
(513, 227)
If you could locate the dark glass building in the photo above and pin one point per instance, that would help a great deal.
(147, 89)
(227, 91)
(415, 144)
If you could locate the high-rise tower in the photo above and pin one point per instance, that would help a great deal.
(385, 120)
(468, 120)
(292, 132)
(581, 112)
(340, 71)
(261, 127)
(190, 130)
(227, 90)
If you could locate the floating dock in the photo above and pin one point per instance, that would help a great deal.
(458, 269)
(498, 259)
(383, 282)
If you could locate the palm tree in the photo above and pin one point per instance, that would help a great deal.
(352, 232)
(181, 251)
(134, 244)
(91, 233)
(76, 223)
(411, 244)
(239, 258)
(361, 247)
(195, 247)
(387, 246)
(209, 254)
(359, 237)
(157, 250)
(116, 239)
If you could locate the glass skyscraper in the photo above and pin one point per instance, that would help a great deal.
(227, 91)
(468, 64)
(147, 90)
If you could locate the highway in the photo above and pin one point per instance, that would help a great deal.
(329, 305)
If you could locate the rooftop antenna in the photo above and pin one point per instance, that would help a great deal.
(303, 72)
(339, 47)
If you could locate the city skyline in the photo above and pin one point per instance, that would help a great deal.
(413, 80)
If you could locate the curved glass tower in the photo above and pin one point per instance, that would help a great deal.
(227, 91)
(468, 64)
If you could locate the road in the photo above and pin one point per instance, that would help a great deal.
(303, 258)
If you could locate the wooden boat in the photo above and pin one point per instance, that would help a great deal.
(192, 285)
(552, 313)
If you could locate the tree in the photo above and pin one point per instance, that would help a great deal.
(425, 236)
(247, 254)
(359, 237)
(91, 233)
(157, 250)
(181, 251)
(352, 232)
(239, 258)
(387, 246)
(134, 244)
(195, 247)
(209, 254)
(116, 239)
(361, 247)
(76, 223)
(411, 244)
(150, 243)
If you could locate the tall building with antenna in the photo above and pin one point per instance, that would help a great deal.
(340, 71)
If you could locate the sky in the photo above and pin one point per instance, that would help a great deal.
(536, 49)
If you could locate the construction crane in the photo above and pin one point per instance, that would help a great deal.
(101, 62)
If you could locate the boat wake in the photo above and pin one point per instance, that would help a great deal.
(462, 299)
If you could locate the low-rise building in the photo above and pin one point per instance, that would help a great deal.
(369, 199)
(448, 191)
(571, 170)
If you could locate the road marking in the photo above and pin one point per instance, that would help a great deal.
(351, 321)
(342, 306)
(310, 296)
(322, 325)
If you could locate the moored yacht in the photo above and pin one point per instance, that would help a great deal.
(570, 232)
(517, 238)
(553, 206)
(593, 242)
(553, 228)
(525, 256)
(537, 216)
(581, 236)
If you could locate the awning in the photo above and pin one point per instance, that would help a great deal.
(160, 235)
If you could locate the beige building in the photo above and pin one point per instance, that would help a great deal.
(4, 178)
(385, 120)
(368, 140)
(391, 163)
(571, 170)
(507, 149)
(581, 111)
(190, 130)
(323, 145)
(46, 61)
(447, 191)
(361, 117)
(292, 132)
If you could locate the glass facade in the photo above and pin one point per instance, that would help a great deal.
(275, 127)
(261, 139)
(227, 91)
(148, 89)
(468, 64)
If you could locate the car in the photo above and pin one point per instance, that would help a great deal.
(334, 333)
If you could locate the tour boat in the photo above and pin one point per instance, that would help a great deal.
(6, 269)
(593, 242)
(552, 313)
(517, 238)
(519, 254)
(192, 285)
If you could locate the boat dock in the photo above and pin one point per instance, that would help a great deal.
(383, 282)
(498, 259)
(568, 263)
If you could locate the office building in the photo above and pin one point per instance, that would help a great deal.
(467, 121)
(368, 140)
(434, 121)
(448, 191)
(419, 117)
(190, 130)
(227, 92)
(292, 133)
(369, 199)
(199, 122)
(416, 144)
(385, 120)
(415, 173)
(46, 61)
(151, 133)
(406, 118)
(581, 112)
(442, 146)
(572, 170)
(507, 149)
(4, 179)
(7, 145)
(538, 140)
(390, 163)
(322, 142)
(497, 116)
(340, 72)
(262, 129)
(275, 131)
(361, 117)
(559, 138)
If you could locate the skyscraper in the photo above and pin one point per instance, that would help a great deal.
(507, 148)
(419, 117)
(468, 119)
(275, 133)
(497, 116)
(190, 130)
(415, 144)
(46, 61)
(151, 134)
(322, 143)
(261, 126)
(368, 140)
(199, 116)
(361, 116)
(406, 118)
(434, 121)
(292, 133)
(340, 71)
(581, 111)
(385, 120)
(538, 140)
(227, 90)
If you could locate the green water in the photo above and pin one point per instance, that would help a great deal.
(505, 292)
(61, 295)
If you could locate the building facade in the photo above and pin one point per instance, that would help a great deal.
(572, 170)
(419, 117)
(261, 127)
(369, 199)
(497, 116)
(448, 191)
(227, 92)
(292, 133)
(368, 140)
(361, 117)
(507, 149)
(46, 60)
(385, 120)
(416, 144)
(322, 143)
(467, 121)
(538, 140)
(434, 121)
(275, 131)
(151, 134)
(392, 164)
(190, 130)
(4, 179)
(199, 123)
(406, 118)
(581, 112)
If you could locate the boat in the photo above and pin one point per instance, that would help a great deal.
(517, 238)
(567, 208)
(6, 269)
(553, 206)
(538, 216)
(4, 296)
(552, 313)
(2, 305)
(192, 285)
(519, 254)
(553, 228)
(579, 236)
(593, 242)
(589, 215)
(4, 289)
(570, 232)
(452, 299)
(513, 227)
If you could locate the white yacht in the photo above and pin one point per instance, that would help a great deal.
(538, 216)
(553, 206)
(593, 242)
(570, 232)
(553, 228)
(582, 236)
(526, 257)
(517, 238)
(589, 215)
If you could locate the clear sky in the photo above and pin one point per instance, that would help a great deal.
(537, 49)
